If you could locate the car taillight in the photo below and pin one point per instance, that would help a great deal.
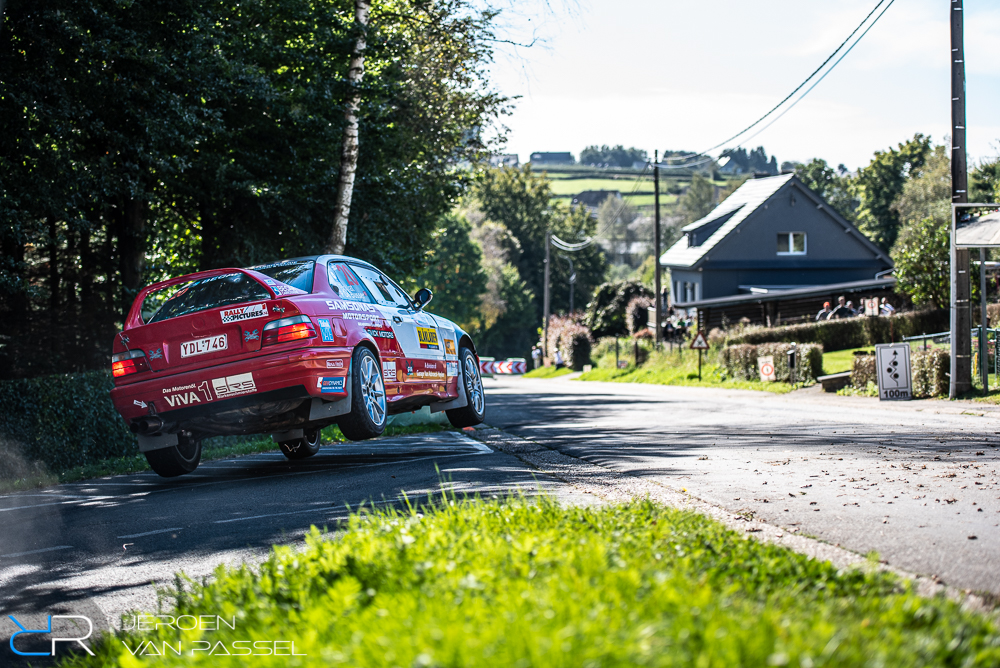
(288, 329)
(128, 362)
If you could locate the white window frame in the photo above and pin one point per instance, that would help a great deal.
(805, 244)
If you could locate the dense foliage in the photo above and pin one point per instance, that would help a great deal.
(740, 361)
(753, 162)
(534, 582)
(607, 311)
(64, 421)
(146, 139)
(849, 332)
(612, 156)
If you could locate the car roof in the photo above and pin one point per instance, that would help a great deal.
(317, 258)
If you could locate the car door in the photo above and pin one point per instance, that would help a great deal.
(422, 365)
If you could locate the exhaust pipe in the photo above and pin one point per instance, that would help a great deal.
(149, 424)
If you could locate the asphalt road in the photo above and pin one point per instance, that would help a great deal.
(915, 481)
(97, 548)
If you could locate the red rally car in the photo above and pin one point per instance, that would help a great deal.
(285, 348)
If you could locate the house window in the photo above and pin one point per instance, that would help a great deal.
(791, 243)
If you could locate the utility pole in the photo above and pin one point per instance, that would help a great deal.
(656, 244)
(545, 293)
(961, 313)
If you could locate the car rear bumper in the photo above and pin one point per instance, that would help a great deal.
(269, 383)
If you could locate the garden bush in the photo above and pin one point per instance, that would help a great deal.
(928, 369)
(64, 420)
(572, 339)
(849, 332)
(740, 361)
(637, 314)
(606, 311)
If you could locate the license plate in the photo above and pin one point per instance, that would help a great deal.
(212, 344)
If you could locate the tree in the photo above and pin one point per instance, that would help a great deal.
(349, 150)
(142, 140)
(699, 200)
(879, 184)
(455, 272)
(519, 200)
(606, 311)
(612, 156)
(984, 182)
(922, 251)
(830, 184)
(741, 162)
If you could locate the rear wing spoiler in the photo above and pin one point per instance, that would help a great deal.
(135, 313)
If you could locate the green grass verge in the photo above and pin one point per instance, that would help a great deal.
(548, 372)
(519, 583)
(678, 369)
(221, 447)
(841, 360)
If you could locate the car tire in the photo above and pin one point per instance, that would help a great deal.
(301, 448)
(474, 412)
(367, 418)
(176, 460)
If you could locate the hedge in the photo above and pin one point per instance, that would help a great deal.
(928, 369)
(64, 420)
(740, 361)
(849, 332)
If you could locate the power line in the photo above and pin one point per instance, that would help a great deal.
(797, 88)
(792, 105)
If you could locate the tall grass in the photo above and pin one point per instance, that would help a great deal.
(531, 583)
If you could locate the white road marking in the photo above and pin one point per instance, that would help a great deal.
(150, 533)
(44, 549)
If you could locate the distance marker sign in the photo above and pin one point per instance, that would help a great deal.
(894, 380)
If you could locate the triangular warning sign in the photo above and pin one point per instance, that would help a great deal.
(699, 342)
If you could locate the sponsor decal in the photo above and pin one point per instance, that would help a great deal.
(449, 346)
(281, 289)
(341, 305)
(389, 370)
(231, 386)
(380, 333)
(427, 337)
(140, 404)
(335, 364)
(409, 368)
(156, 354)
(251, 336)
(210, 344)
(431, 365)
(430, 375)
(358, 316)
(241, 313)
(330, 385)
(452, 368)
(325, 330)
(278, 309)
(188, 395)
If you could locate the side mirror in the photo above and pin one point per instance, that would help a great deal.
(423, 298)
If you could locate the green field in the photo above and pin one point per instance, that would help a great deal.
(529, 582)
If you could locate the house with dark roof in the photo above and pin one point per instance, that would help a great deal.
(557, 158)
(771, 235)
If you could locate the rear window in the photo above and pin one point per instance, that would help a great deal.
(206, 293)
(296, 273)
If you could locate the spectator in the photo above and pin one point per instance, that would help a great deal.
(560, 363)
(824, 312)
(536, 356)
(841, 311)
(850, 307)
(886, 308)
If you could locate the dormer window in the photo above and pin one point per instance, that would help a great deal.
(791, 243)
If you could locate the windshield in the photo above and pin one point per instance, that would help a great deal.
(205, 293)
(296, 273)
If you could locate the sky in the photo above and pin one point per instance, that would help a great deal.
(672, 75)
